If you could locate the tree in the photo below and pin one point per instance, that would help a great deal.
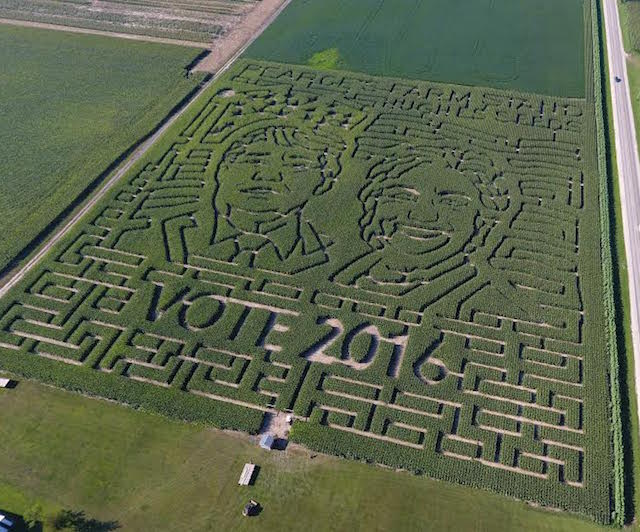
(33, 515)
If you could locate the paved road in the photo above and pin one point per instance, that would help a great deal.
(628, 167)
(128, 163)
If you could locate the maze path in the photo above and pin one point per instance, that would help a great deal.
(410, 268)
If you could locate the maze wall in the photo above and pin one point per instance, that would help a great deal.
(411, 268)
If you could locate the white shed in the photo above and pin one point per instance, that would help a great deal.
(247, 474)
(3, 384)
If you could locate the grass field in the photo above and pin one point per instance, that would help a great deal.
(630, 23)
(146, 473)
(70, 106)
(529, 46)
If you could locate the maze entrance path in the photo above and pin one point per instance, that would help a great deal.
(411, 268)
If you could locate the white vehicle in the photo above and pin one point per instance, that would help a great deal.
(5, 523)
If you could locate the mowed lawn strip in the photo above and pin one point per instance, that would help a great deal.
(147, 472)
(529, 46)
(71, 105)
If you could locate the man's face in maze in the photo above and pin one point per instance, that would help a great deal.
(425, 211)
(275, 170)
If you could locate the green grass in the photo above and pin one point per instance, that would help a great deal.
(71, 105)
(148, 473)
(528, 46)
(633, 71)
(326, 60)
(630, 24)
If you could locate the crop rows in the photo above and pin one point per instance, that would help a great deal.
(412, 269)
(226, 7)
(187, 20)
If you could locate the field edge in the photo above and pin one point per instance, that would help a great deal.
(599, 92)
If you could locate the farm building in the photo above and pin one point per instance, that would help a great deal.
(4, 383)
(267, 441)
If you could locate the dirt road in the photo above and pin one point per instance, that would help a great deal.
(130, 36)
(137, 154)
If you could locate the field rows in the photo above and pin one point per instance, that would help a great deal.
(187, 20)
(115, 93)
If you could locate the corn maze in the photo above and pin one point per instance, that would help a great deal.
(411, 268)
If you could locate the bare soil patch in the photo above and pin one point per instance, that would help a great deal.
(256, 20)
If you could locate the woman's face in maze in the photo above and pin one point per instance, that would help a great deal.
(424, 211)
(262, 175)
